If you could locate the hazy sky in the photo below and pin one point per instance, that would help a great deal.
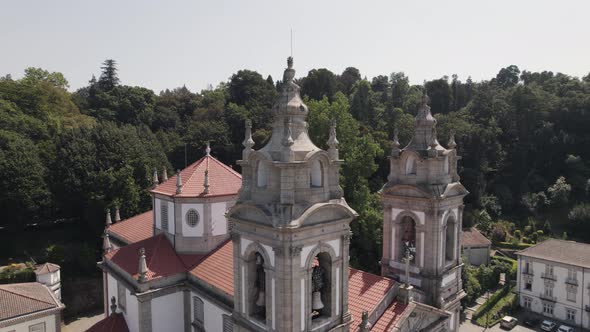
(165, 44)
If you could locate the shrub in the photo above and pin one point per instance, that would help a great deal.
(517, 234)
(16, 273)
(559, 192)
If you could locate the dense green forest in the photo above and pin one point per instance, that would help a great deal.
(523, 136)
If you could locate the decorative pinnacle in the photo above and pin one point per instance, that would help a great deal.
(290, 62)
(113, 305)
(287, 139)
(208, 149)
(332, 140)
(206, 183)
(164, 174)
(155, 181)
(106, 242)
(425, 98)
(433, 142)
(452, 144)
(248, 141)
(117, 214)
(108, 221)
(142, 265)
(396, 144)
(178, 182)
(289, 73)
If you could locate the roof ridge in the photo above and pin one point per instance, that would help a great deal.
(26, 296)
(227, 167)
(196, 164)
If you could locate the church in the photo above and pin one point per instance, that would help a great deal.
(268, 249)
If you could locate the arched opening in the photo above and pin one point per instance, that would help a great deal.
(256, 295)
(407, 239)
(411, 165)
(261, 174)
(316, 176)
(450, 240)
(321, 288)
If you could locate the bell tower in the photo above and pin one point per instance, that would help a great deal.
(423, 211)
(290, 228)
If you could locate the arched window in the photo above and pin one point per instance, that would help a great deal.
(407, 243)
(192, 218)
(164, 215)
(316, 174)
(450, 240)
(257, 287)
(321, 288)
(411, 165)
(261, 174)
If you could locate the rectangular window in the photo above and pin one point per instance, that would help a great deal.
(528, 286)
(37, 327)
(121, 298)
(571, 274)
(571, 315)
(527, 302)
(228, 325)
(548, 308)
(164, 215)
(571, 294)
(198, 310)
(527, 267)
(549, 270)
(549, 291)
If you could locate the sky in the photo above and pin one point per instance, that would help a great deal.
(167, 44)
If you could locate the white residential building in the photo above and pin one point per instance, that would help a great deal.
(29, 307)
(554, 281)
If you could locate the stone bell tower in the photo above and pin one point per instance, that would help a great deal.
(423, 212)
(290, 228)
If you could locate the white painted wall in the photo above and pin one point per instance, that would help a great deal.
(192, 231)
(168, 313)
(111, 289)
(218, 220)
(213, 315)
(49, 321)
(131, 313)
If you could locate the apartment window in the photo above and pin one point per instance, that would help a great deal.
(528, 286)
(121, 296)
(527, 267)
(570, 315)
(548, 308)
(571, 294)
(228, 325)
(571, 274)
(527, 302)
(37, 327)
(164, 215)
(199, 310)
(549, 270)
(548, 291)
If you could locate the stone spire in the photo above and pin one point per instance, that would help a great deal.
(117, 214)
(424, 122)
(178, 182)
(164, 174)
(155, 181)
(452, 144)
(142, 270)
(108, 221)
(395, 145)
(248, 142)
(106, 242)
(333, 141)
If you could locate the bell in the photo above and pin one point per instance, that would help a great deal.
(260, 300)
(316, 299)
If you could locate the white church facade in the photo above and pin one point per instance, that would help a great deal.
(268, 249)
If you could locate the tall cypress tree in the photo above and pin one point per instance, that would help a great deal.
(108, 78)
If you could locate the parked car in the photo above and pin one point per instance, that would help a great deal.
(548, 325)
(532, 322)
(508, 322)
(565, 328)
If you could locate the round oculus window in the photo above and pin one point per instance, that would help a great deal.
(192, 218)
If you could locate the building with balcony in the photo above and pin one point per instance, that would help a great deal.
(554, 281)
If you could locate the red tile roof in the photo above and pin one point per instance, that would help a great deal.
(365, 292)
(162, 260)
(389, 318)
(112, 323)
(217, 268)
(473, 238)
(134, 229)
(222, 180)
(25, 298)
(46, 268)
